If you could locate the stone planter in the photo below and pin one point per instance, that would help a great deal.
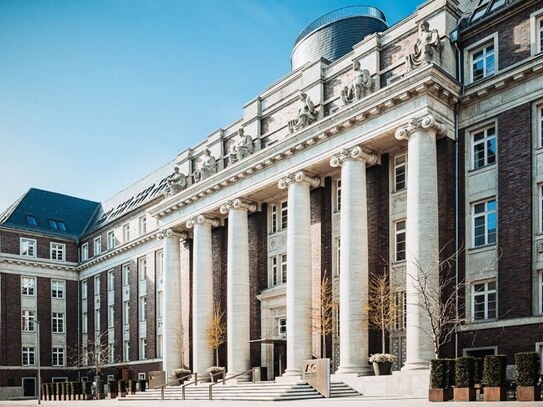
(382, 368)
(495, 393)
(528, 393)
(440, 394)
(464, 394)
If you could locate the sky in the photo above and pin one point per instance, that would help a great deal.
(94, 95)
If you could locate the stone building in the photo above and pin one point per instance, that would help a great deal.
(422, 143)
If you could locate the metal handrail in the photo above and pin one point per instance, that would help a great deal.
(163, 385)
(195, 382)
(252, 370)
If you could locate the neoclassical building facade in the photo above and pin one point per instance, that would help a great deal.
(420, 144)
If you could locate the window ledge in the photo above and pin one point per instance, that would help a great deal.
(482, 248)
(482, 169)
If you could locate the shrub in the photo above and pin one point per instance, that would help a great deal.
(464, 372)
(527, 370)
(438, 373)
(494, 370)
(450, 379)
(478, 369)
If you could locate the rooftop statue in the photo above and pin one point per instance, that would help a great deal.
(306, 114)
(243, 147)
(361, 85)
(175, 183)
(427, 48)
(206, 168)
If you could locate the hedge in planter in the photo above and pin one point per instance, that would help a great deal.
(494, 367)
(527, 375)
(439, 381)
(464, 374)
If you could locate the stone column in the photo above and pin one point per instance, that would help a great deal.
(202, 292)
(238, 315)
(422, 233)
(299, 282)
(172, 335)
(354, 271)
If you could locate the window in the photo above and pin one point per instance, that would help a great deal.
(31, 220)
(58, 356)
(338, 256)
(159, 262)
(284, 214)
(85, 252)
(541, 292)
(97, 245)
(159, 346)
(337, 319)
(278, 269)
(126, 350)
(338, 195)
(482, 62)
(111, 316)
(283, 268)
(143, 348)
(29, 356)
(85, 354)
(399, 240)
(142, 268)
(483, 301)
(278, 216)
(400, 310)
(141, 376)
(84, 288)
(282, 326)
(400, 172)
(159, 300)
(126, 275)
(143, 308)
(274, 271)
(28, 285)
(111, 352)
(126, 312)
(484, 223)
(57, 289)
(484, 148)
(97, 321)
(56, 225)
(57, 320)
(273, 211)
(111, 240)
(97, 285)
(540, 34)
(84, 323)
(111, 280)
(126, 232)
(57, 251)
(28, 247)
(142, 222)
(29, 319)
(540, 124)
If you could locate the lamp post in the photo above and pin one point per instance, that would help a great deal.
(38, 356)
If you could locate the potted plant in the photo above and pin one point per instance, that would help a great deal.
(439, 380)
(122, 388)
(463, 378)
(382, 363)
(112, 389)
(216, 373)
(132, 386)
(527, 375)
(494, 377)
(181, 374)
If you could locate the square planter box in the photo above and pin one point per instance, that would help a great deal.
(440, 394)
(464, 394)
(495, 394)
(528, 393)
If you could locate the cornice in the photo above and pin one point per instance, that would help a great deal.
(36, 262)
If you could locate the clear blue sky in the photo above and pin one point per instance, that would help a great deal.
(96, 94)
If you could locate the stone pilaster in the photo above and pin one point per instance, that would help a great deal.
(202, 292)
(238, 302)
(422, 233)
(354, 270)
(172, 334)
(299, 294)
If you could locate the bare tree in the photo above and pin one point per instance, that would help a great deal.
(216, 333)
(96, 355)
(381, 308)
(323, 314)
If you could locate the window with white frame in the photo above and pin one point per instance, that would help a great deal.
(126, 312)
(27, 247)
(400, 172)
(143, 348)
(143, 308)
(399, 240)
(57, 289)
(142, 222)
(159, 301)
(483, 147)
(278, 272)
(142, 268)
(85, 252)
(338, 194)
(283, 268)
(28, 286)
(400, 310)
(540, 291)
(126, 350)
(337, 320)
(97, 285)
(57, 321)
(482, 62)
(96, 321)
(141, 376)
(273, 218)
(29, 356)
(126, 275)
(58, 356)
(111, 280)
(111, 316)
(282, 326)
(85, 355)
(28, 322)
(159, 346)
(338, 256)
(284, 215)
(540, 125)
(97, 245)
(111, 240)
(483, 300)
(484, 222)
(111, 352)
(84, 322)
(84, 289)
(57, 251)
(126, 232)
(159, 263)
(540, 34)
(278, 216)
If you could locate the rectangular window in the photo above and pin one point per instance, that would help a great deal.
(143, 348)
(338, 195)
(31, 220)
(97, 285)
(111, 316)
(97, 321)
(126, 350)
(338, 256)
(85, 252)
(540, 125)
(400, 310)
(142, 268)
(484, 148)
(540, 34)
(159, 262)
(28, 285)
(283, 268)
(29, 356)
(482, 62)
(111, 280)
(541, 294)
(58, 356)
(57, 251)
(126, 232)
(273, 211)
(28, 247)
(483, 300)
(484, 223)
(29, 319)
(143, 308)
(126, 312)
(84, 323)
(274, 271)
(284, 214)
(57, 321)
(400, 172)
(56, 225)
(97, 245)
(282, 326)
(126, 275)
(111, 352)
(57, 289)
(159, 300)
(142, 222)
(159, 346)
(400, 240)
(111, 240)
(84, 288)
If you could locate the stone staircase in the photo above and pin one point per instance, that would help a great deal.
(266, 391)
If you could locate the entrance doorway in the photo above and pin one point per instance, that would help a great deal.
(29, 386)
(279, 358)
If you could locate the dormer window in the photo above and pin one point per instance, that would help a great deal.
(56, 224)
(31, 220)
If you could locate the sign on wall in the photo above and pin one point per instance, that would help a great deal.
(317, 374)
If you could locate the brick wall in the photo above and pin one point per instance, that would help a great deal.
(219, 242)
(151, 307)
(10, 244)
(71, 320)
(10, 329)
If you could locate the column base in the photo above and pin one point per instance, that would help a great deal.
(354, 370)
(416, 365)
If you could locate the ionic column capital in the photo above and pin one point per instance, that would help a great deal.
(355, 153)
(201, 220)
(299, 176)
(238, 203)
(164, 233)
(428, 122)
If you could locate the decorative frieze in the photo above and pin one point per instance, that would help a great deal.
(428, 122)
(355, 153)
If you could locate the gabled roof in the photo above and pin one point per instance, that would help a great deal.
(51, 213)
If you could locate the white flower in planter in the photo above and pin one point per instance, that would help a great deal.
(382, 358)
